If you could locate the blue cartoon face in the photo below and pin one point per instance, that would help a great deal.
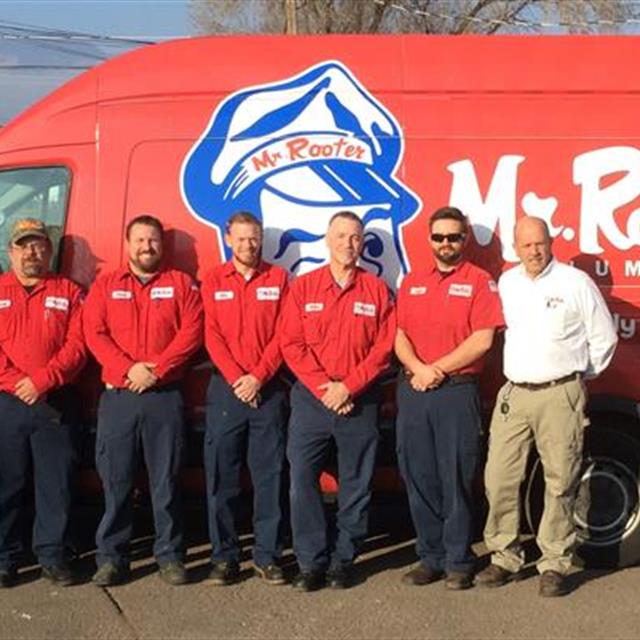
(296, 152)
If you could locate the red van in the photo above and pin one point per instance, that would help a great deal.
(390, 127)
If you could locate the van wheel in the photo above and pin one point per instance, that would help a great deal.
(607, 509)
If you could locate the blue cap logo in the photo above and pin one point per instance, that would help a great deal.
(294, 153)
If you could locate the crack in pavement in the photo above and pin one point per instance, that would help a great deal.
(120, 611)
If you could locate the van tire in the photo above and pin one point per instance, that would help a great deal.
(607, 510)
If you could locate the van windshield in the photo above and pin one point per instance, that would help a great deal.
(34, 192)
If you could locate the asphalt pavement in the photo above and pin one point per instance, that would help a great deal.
(603, 604)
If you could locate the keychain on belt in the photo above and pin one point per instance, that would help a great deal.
(504, 405)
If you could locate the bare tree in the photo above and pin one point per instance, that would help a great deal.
(411, 16)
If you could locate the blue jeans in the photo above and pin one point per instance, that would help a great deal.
(127, 421)
(311, 429)
(438, 434)
(233, 427)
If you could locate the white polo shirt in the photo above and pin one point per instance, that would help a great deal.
(557, 324)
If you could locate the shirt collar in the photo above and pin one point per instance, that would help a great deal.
(327, 280)
(543, 274)
(460, 268)
(125, 272)
(229, 269)
(36, 287)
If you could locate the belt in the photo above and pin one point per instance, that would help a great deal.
(462, 378)
(452, 380)
(537, 386)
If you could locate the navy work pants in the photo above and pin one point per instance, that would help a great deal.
(42, 435)
(438, 435)
(128, 421)
(234, 427)
(311, 429)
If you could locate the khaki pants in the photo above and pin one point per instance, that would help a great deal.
(554, 419)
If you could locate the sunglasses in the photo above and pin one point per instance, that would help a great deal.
(450, 237)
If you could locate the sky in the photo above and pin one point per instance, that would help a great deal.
(30, 68)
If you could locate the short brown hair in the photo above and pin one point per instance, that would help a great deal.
(449, 213)
(346, 215)
(242, 217)
(145, 218)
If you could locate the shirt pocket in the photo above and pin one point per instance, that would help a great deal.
(312, 328)
(121, 315)
(7, 325)
(561, 321)
(456, 313)
(364, 329)
(55, 326)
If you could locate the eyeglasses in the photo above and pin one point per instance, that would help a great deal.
(450, 237)
(39, 246)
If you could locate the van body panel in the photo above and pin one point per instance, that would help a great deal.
(500, 126)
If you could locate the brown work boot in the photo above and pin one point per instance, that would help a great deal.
(422, 575)
(458, 580)
(495, 576)
(553, 584)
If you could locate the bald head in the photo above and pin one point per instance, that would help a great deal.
(533, 245)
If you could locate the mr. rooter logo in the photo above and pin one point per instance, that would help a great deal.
(297, 151)
(294, 153)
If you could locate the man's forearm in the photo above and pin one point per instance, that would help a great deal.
(467, 352)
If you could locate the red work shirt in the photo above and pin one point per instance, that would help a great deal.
(159, 321)
(437, 311)
(40, 332)
(241, 320)
(341, 334)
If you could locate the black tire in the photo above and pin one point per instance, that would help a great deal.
(607, 510)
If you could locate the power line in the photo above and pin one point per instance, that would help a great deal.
(32, 67)
(21, 31)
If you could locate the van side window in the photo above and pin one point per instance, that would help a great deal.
(34, 192)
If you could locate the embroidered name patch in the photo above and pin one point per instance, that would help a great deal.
(223, 295)
(52, 302)
(364, 309)
(161, 293)
(313, 306)
(268, 293)
(417, 291)
(461, 290)
(121, 295)
(5, 304)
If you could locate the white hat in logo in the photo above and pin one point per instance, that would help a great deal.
(295, 152)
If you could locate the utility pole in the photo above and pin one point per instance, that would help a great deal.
(291, 27)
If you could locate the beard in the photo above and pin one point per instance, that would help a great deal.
(450, 258)
(147, 262)
(33, 268)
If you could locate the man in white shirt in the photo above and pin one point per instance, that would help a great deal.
(559, 331)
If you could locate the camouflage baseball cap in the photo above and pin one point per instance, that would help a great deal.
(28, 227)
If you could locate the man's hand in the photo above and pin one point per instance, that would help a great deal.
(335, 396)
(425, 377)
(346, 408)
(141, 376)
(26, 391)
(246, 388)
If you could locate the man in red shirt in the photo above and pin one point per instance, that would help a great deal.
(142, 323)
(242, 301)
(337, 334)
(447, 316)
(41, 350)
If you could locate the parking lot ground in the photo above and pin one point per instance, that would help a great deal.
(602, 605)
